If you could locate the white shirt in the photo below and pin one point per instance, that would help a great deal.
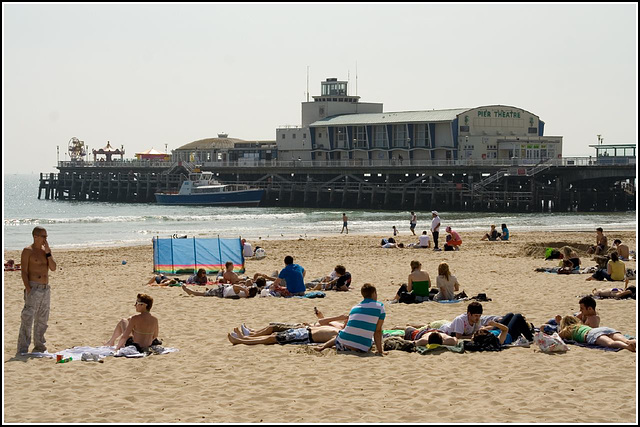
(414, 218)
(435, 223)
(424, 240)
(461, 325)
(228, 292)
(247, 250)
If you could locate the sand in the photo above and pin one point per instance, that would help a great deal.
(210, 380)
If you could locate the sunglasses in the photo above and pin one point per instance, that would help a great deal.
(138, 303)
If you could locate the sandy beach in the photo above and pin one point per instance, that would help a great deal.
(210, 380)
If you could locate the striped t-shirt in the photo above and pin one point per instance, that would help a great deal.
(361, 325)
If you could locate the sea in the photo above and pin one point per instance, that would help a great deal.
(74, 224)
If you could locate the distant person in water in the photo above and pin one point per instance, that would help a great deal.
(345, 221)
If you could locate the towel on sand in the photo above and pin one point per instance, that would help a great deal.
(437, 348)
(101, 352)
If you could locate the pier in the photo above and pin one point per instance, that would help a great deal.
(561, 185)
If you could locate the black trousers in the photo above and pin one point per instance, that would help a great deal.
(517, 326)
(435, 238)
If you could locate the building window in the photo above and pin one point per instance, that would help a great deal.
(533, 130)
(380, 137)
(304, 136)
(400, 136)
(421, 135)
(341, 137)
(464, 128)
(283, 136)
(360, 137)
(293, 136)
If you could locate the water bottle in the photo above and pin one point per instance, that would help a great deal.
(65, 360)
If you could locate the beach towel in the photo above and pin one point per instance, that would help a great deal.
(437, 348)
(314, 294)
(450, 301)
(392, 332)
(76, 353)
(398, 343)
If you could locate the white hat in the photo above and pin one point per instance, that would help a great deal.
(434, 212)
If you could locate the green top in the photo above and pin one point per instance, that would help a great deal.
(421, 288)
(579, 333)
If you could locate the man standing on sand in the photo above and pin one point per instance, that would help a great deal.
(344, 223)
(435, 230)
(36, 262)
(412, 222)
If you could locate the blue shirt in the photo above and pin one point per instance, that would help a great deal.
(362, 323)
(505, 234)
(292, 274)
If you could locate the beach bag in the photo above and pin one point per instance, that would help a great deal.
(485, 342)
(260, 253)
(407, 297)
(549, 343)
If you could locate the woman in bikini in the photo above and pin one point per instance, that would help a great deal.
(572, 328)
(418, 283)
(140, 330)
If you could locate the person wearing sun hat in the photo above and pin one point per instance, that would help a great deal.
(435, 229)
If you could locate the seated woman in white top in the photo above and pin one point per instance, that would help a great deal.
(446, 283)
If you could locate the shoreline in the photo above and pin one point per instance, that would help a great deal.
(298, 237)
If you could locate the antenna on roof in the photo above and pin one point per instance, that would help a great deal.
(356, 78)
(307, 83)
(348, 80)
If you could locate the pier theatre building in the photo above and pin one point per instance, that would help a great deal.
(337, 126)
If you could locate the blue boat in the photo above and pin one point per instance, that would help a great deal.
(202, 189)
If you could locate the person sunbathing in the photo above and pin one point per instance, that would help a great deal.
(617, 293)
(571, 328)
(303, 335)
(225, 291)
(341, 282)
(275, 327)
(162, 280)
(230, 276)
(140, 330)
(427, 336)
(200, 278)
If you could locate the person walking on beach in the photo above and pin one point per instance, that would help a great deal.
(36, 262)
(412, 222)
(435, 229)
(345, 219)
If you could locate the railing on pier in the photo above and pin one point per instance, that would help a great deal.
(565, 161)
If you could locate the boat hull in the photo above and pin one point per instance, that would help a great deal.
(225, 198)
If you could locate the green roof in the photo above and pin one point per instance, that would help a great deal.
(388, 118)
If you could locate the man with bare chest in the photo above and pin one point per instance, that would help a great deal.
(36, 262)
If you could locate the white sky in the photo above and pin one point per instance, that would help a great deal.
(149, 75)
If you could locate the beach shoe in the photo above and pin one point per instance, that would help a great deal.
(156, 349)
(521, 342)
(437, 249)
